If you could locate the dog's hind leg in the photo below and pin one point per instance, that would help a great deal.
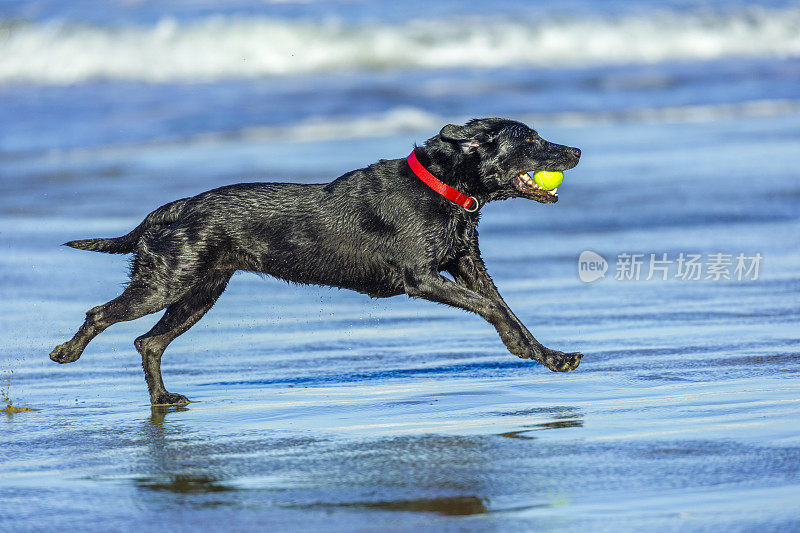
(164, 268)
(178, 318)
(137, 300)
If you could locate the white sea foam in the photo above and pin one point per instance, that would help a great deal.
(393, 122)
(236, 47)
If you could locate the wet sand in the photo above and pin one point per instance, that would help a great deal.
(322, 409)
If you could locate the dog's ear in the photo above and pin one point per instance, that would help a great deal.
(461, 136)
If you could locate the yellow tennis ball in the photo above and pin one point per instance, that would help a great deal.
(548, 180)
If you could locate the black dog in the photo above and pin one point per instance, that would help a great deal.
(380, 230)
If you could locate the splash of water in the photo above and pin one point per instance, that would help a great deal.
(5, 388)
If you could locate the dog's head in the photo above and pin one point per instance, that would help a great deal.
(491, 158)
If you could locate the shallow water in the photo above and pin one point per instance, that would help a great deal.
(320, 409)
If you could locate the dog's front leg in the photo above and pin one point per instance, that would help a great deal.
(471, 272)
(434, 287)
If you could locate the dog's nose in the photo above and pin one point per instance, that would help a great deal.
(576, 152)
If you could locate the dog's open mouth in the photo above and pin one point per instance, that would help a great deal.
(525, 184)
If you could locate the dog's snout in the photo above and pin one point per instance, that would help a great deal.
(574, 152)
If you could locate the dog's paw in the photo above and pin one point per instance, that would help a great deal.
(562, 362)
(170, 398)
(62, 354)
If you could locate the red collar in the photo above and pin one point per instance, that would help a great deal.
(469, 203)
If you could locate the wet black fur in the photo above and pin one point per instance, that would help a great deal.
(378, 230)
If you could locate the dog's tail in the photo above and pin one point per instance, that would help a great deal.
(164, 215)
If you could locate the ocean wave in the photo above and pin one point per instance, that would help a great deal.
(218, 48)
(404, 120)
(419, 124)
